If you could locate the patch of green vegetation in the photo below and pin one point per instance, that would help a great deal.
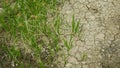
(75, 25)
(84, 57)
(27, 21)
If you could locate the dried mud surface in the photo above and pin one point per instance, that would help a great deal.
(99, 46)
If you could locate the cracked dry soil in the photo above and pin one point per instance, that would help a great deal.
(100, 41)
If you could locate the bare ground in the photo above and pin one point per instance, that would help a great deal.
(99, 45)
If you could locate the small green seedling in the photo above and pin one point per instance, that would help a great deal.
(75, 26)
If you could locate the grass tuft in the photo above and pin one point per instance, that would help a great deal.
(33, 40)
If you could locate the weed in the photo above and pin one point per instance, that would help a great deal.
(83, 57)
(75, 26)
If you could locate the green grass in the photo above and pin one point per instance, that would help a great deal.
(75, 26)
(27, 21)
